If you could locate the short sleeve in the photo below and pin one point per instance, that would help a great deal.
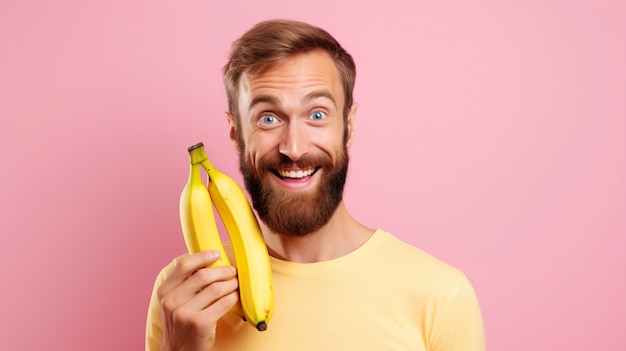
(154, 331)
(461, 325)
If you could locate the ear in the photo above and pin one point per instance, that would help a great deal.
(351, 125)
(232, 130)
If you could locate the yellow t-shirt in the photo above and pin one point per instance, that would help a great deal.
(386, 295)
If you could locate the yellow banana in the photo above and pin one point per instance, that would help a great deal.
(196, 212)
(251, 256)
(253, 264)
(197, 219)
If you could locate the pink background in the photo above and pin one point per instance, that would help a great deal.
(492, 135)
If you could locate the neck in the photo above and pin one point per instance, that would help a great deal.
(340, 236)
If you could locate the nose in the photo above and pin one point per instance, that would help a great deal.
(295, 141)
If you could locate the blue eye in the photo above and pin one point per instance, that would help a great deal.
(317, 115)
(268, 119)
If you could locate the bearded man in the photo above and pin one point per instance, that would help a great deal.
(338, 284)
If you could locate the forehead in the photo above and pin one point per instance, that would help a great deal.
(302, 73)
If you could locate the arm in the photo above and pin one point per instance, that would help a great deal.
(187, 301)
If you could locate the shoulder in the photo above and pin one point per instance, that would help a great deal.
(415, 278)
(418, 264)
(391, 246)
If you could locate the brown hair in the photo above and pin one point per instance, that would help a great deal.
(270, 42)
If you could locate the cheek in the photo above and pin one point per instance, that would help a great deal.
(251, 156)
(257, 147)
(332, 144)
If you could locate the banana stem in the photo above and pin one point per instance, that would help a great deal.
(197, 154)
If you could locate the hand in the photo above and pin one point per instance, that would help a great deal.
(193, 298)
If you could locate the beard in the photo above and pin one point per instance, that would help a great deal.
(295, 213)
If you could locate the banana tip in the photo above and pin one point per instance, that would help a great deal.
(261, 326)
(195, 146)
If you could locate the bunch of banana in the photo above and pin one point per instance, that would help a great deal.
(254, 273)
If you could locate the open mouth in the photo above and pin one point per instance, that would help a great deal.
(293, 174)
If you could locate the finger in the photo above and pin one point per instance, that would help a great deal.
(199, 280)
(204, 318)
(204, 277)
(184, 267)
(212, 293)
(220, 307)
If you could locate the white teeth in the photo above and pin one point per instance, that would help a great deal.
(296, 175)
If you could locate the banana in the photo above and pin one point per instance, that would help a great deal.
(197, 219)
(196, 212)
(253, 266)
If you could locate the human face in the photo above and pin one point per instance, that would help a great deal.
(292, 141)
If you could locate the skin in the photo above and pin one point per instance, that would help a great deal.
(280, 113)
(293, 109)
(193, 298)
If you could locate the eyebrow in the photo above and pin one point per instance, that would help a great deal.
(320, 93)
(259, 99)
(272, 100)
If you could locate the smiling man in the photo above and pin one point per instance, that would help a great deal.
(292, 135)
(339, 285)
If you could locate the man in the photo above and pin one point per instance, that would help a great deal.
(338, 284)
